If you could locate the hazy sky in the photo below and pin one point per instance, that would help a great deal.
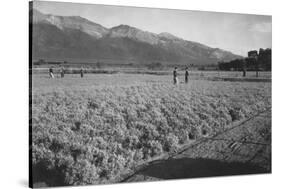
(237, 33)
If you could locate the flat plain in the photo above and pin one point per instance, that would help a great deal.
(94, 129)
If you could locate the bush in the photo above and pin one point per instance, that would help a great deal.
(171, 143)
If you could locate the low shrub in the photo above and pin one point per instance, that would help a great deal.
(90, 136)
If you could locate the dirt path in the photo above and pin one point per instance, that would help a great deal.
(245, 148)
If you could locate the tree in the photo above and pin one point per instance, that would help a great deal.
(155, 66)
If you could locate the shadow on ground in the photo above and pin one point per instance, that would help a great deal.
(191, 168)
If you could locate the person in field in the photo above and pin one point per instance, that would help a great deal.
(186, 75)
(62, 72)
(51, 72)
(81, 72)
(175, 76)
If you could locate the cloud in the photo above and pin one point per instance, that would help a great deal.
(264, 27)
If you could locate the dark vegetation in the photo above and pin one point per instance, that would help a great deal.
(262, 62)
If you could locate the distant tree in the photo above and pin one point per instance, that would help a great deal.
(253, 56)
(244, 68)
(98, 65)
(201, 68)
(155, 66)
(255, 61)
(39, 62)
(264, 59)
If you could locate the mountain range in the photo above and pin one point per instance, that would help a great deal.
(74, 37)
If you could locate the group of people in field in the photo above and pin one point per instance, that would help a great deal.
(62, 72)
(175, 74)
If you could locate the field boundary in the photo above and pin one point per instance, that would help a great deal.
(166, 156)
(240, 79)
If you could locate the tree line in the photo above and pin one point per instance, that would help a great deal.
(256, 61)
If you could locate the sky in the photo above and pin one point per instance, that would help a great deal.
(238, 33)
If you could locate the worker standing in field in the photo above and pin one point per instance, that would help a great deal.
(186, 75)
(62, 72)
(82, 72)
(175, 76)
(51, 73)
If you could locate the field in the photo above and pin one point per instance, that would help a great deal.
(91, 130)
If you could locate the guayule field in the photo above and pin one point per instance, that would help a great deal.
(92, 129)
